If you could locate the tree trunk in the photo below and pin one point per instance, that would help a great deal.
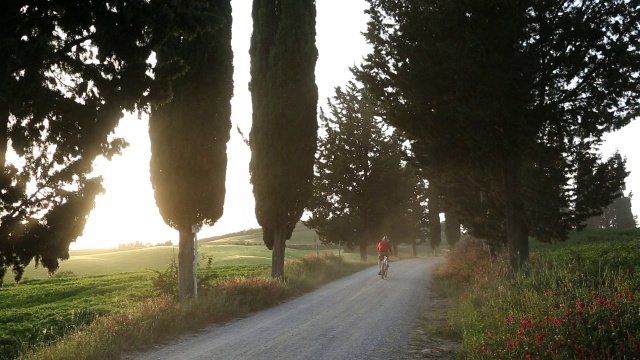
(277, 253)
(4, 138)
(414, 247)
(435, 230)
(517, 233)
(451, 229)
(186, 258)
(363, 252)
(395, 250)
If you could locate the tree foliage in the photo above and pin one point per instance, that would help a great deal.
(189, 134)
(68, 71)
(362, 188)
(519, 93)
(618, 215)
(284, 97)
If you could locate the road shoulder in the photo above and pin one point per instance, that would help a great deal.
(434, 337)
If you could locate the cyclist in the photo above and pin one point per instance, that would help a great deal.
(384, 249)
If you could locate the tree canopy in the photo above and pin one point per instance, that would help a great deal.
(68, 71)
(362, 189)
(189, 134)
(284, 97)
(519, 94)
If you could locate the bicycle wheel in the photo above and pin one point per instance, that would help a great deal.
(385, 266)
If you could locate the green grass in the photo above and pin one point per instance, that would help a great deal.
(39, 311)
(136, 324)
(578, 299)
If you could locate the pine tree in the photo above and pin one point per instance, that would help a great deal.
(283, 135)
(189, 135)
(362, 187)
(517, 92)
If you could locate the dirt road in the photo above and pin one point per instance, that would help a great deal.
(357, 317)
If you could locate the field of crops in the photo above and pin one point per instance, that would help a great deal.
(42, 310)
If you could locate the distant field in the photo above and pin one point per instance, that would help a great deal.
(104, 262)
(243, 249)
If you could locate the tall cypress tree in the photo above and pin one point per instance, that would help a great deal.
(189, 135)
(284, 98)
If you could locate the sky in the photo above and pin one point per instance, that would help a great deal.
(127, 213)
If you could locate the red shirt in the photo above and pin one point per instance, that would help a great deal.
(384, 247)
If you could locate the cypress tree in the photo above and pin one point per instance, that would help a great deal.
(284, 98)
(189, 135)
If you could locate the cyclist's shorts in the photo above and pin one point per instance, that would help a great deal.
(381, 256)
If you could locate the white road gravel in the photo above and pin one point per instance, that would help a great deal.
(357, 317)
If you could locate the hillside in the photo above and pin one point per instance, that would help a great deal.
(302, 235)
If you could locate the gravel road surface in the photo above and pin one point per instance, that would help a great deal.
(357, 317)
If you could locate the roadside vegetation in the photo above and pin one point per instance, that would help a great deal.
(576, 299)
(97, 317)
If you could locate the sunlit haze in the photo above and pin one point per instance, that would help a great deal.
(127, 213)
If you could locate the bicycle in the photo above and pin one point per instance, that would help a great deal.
(384, 266)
